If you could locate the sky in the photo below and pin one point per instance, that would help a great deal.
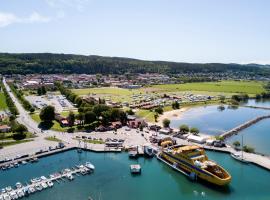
(197, 31)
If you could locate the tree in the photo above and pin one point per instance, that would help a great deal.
(156, 116)
(175, 105)
(159, 110)
(32, 109)
(43, 90)
(39, 91)
(19, 130)
(80, 117)
(89, 117)
(236, 144)
(194, 131)
(71, 119)
(184, 128)
(222, 99)
(47, 114)
(248, 149)
(130, 112)
(166, 123)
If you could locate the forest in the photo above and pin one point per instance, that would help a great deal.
(48, 63)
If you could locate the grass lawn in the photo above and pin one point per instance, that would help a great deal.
(249, 87)
(3, 104)
(92, 141)
(53, 138)
(146, 114)
(3, 144)
(56, 126)
(115, 94)
(8, 136)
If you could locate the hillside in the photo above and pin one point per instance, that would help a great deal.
(67, 63)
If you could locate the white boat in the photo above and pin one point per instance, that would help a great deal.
(13, 195)
(239, 157)
(50, 183)
(1, 197)
(69, 177)
(44, 185)
(3, 190)
(38, 187)
(43, 178)
(20, 193)
(8, 189)
(24, 162)
(6, 197)
(89, 166)
(18, 185)
(31, 189)
(135, 169)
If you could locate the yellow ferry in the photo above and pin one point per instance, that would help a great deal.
(193, 162)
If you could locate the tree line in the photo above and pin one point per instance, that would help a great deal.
(46, 63)
(19, 94)
(11, 106)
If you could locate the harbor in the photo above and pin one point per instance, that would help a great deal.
(42, 183)
(112, 172)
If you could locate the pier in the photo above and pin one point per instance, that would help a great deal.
(243, 126)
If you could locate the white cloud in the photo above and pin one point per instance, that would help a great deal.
(60, 4)
(10, 18)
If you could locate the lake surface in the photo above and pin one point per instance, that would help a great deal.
(213, 120)
(259, 103)
(257, 136)
(112, 179)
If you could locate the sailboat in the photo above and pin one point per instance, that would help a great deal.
(79, 149)
(238, 156)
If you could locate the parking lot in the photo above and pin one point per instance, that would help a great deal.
(58, 101)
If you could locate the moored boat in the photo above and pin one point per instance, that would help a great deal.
(239, 157)
(148, 152)
(135, 169)
(193, 162)
(90, 166)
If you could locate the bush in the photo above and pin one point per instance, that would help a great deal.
(194, 130)
(159, 110)
(19, 136)
(166, 123)
(248, 149)
(184, 128)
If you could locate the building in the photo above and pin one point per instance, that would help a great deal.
(4, 128)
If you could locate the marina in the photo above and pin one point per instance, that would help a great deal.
(104, 183)
(41, 183)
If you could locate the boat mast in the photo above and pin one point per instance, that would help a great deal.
(242, 146)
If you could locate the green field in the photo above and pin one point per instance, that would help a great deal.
(3, 104)
(9, 143)
(115, 94)
(56, 126)
(249, 87)
(227, 88)
(53, 139)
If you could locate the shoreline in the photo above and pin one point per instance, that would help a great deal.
(171, 115)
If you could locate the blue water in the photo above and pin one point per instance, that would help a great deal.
(257, 136)
(259, 103)
(112, 179)
(214, 121)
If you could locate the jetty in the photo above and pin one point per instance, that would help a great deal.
(243, 126)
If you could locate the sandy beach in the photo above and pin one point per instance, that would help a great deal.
(171, 115)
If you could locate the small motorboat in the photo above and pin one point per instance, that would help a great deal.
(38, 187)
(239, 157)
(13, 195)
(31, 190)
(133, 154)
(24, 162)
(70, 176)
(20, 193)
(135, 169)
(50, 183)
(3, 190)
(6, 197)
(16, 165)
(148, 152)
(44, 185)
(18, 185)
(90, 166)
(8, 189)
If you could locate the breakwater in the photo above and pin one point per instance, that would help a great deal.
(243, 126)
